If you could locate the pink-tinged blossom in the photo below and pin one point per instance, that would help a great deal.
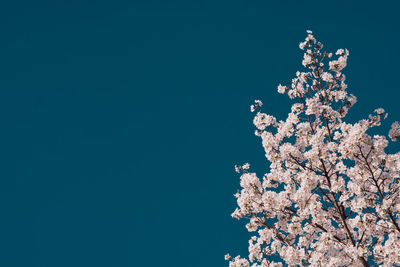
(340, 63)
(394, 132)
(331, 194)
(244, 168)
(256, 106)
(262, 120)
(281, 89)
(327, 77)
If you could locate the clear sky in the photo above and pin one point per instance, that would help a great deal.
(121, 121)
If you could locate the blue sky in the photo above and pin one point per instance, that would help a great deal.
(121, 121)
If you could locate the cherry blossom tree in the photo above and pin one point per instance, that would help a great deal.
(331, 195)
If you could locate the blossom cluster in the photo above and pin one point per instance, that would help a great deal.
(331, 196)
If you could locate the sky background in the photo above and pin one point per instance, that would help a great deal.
(121, 121)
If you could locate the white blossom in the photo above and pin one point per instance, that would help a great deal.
(281, 89)
(394, 132)
(262, 120)
(331, 194)
(256, 106)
